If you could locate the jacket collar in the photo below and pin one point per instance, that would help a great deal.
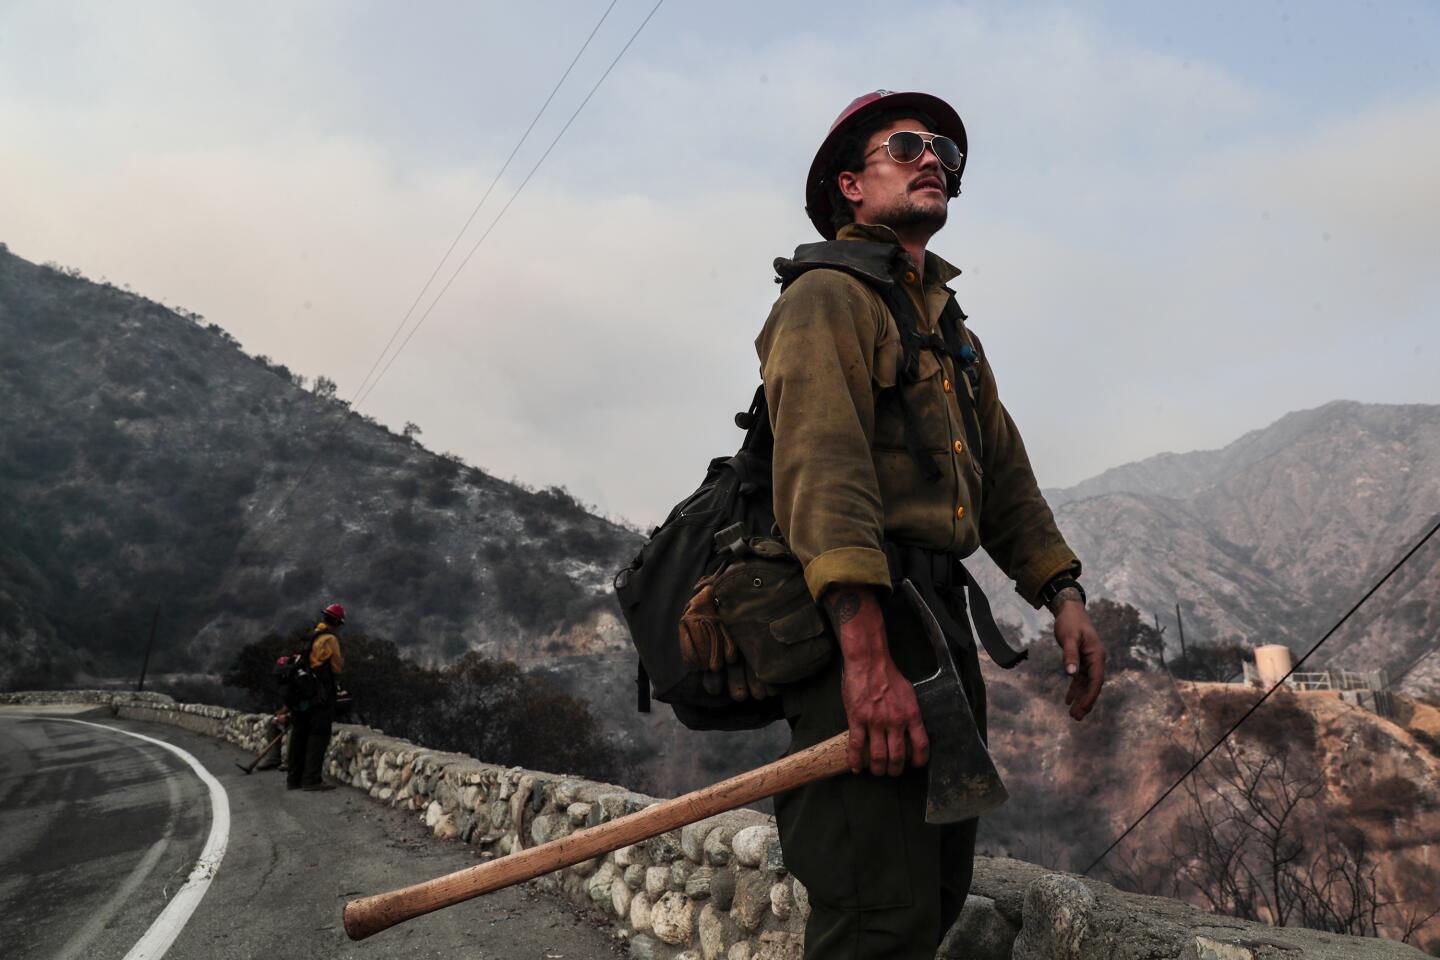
(937, 270)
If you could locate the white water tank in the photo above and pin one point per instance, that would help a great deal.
(1272, 662)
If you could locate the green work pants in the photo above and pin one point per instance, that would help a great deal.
(882, 882)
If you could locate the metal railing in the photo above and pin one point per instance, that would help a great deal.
(1369, 689)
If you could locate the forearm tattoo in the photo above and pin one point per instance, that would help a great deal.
(1065, 595)
(844, 606)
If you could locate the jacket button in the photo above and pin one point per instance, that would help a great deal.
(959, 513)
(959, 447)
(909, 276)
(946, 384)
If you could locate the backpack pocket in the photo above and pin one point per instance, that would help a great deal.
(766, 607)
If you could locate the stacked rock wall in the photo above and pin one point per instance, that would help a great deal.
(718, 889)
(714, 889)
(36, 698)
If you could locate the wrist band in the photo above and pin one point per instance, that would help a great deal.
(1053, 588)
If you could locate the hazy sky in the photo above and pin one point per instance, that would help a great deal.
(1179, 221)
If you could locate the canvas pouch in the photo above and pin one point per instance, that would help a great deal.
(765, 606)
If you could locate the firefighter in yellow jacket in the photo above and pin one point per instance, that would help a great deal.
(311, 724)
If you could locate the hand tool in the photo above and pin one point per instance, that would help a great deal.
(261, 755)
(963, 784)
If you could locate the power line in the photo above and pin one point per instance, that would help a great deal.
(1425, 655)
(358, 396)
(488, 190)
(1236, 725)
(518, 190)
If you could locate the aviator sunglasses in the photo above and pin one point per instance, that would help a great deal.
(907, 146)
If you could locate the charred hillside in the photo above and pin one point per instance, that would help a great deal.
(1272, 538)
(145, 458)
(1307, 791)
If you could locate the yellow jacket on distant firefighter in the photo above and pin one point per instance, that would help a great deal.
(844, 479)
(325, 649)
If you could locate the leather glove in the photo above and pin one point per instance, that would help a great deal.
(704, 644)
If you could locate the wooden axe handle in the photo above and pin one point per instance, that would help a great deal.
(268, 747)
(255, 762)
(370, 915)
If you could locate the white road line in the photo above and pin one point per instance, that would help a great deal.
(77, 945)
(172, 919)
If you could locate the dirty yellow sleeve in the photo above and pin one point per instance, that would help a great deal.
(817, 353)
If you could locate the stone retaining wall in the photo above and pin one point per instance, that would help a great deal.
(46, 697)
(718, 889)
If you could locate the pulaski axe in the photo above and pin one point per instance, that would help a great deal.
(261, 755)
(963, 784)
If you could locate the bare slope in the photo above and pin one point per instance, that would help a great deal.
(1272, 538)
(144, 458)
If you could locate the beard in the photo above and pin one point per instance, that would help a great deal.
(908, 216)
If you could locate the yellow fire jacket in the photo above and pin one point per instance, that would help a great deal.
(326, 649)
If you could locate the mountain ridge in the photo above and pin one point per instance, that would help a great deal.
(1206, 465)
(1273, 537)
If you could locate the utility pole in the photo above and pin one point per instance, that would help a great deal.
(1184, 658)
(145, 664)
(1160, 633)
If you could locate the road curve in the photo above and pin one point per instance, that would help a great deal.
(95, 827)
(98, 831)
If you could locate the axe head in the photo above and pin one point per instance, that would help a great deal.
(963, 780)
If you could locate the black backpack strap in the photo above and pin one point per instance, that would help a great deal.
(951, 343)
(911, 342)
(642, 687)
(759, 439)
(935, 571)
(988, 630)
(967, 364)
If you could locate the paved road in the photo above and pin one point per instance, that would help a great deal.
(98, 831)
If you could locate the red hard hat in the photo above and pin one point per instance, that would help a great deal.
(817, 198)
(336, 611)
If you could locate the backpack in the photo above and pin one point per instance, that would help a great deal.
(298, 682)
(733, 506)
(657, 585)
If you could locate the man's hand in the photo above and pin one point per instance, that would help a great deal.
(885, 724)
(1083, 654)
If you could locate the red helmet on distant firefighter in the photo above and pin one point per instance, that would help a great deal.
(818, 202)
(335, 612)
